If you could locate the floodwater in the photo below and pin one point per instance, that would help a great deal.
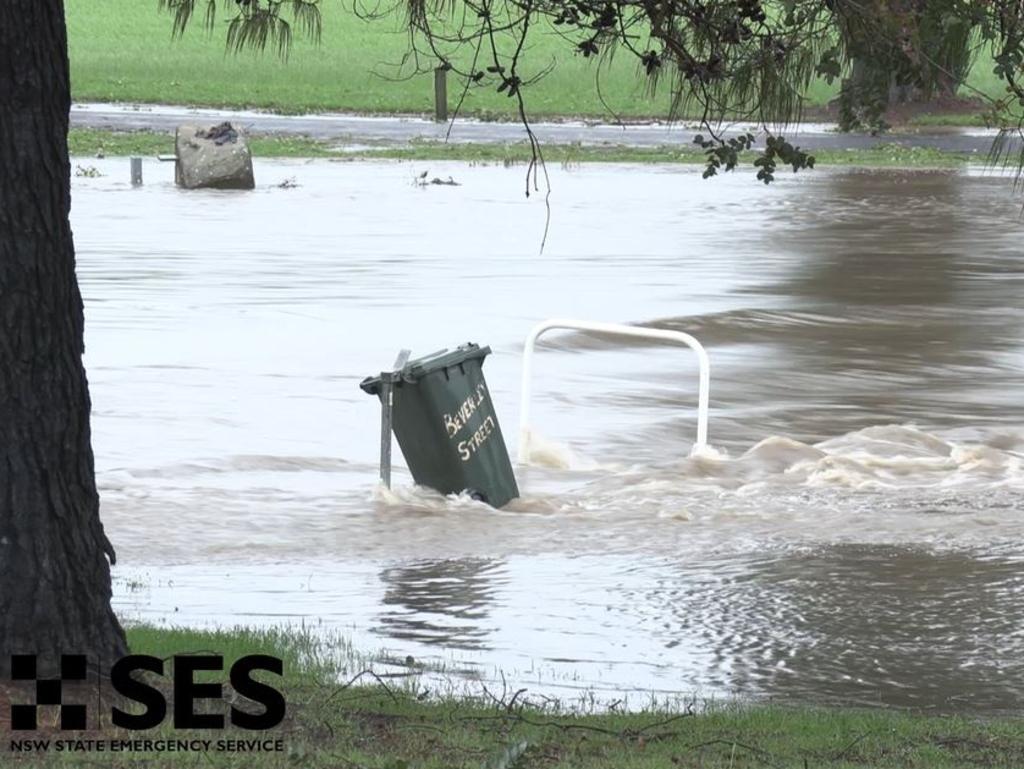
(855, 534)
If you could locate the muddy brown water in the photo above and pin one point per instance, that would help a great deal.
(854, 536)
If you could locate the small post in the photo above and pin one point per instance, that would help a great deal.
(441, 93)
(136, 172)
(387, 401)
(703, 361)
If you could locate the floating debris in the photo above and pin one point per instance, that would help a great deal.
(422, 181)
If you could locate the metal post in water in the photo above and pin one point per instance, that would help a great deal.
(703, 387)
(386, 403)
(441, 94)
(385, 431)
(136, 172)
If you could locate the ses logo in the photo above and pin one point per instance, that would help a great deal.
(139, 703)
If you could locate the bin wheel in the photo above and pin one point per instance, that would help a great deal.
(478, 496)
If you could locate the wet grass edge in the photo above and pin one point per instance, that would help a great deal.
(84, 142)
(343, 714)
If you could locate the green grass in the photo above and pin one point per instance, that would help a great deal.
(304, 654)
(882, 156)
(339, 716)
(121, 50)
(941, 120)
(89, 143)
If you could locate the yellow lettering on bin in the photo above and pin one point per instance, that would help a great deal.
(471, 445)
(453, 423)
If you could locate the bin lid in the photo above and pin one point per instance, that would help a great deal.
(419, 368)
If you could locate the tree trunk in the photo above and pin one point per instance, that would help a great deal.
(54, 576)
(864, 97)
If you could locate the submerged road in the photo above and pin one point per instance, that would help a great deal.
(360, 129)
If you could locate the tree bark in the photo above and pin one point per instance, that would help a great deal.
(54, 576)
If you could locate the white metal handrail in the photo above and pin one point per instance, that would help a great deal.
(618, 330)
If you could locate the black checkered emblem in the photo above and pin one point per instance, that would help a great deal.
(49, 691)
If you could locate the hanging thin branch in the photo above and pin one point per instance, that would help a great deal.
(723, 60)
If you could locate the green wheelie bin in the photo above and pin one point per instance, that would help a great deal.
(446, 425)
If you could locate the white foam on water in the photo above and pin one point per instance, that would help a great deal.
(550, 454)
(875, 458)
(890, 456)
(422, 499)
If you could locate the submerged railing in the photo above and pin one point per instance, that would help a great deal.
(617, 330)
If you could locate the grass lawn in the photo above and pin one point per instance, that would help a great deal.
(121, 50)
(86, 143)
(340, 716)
